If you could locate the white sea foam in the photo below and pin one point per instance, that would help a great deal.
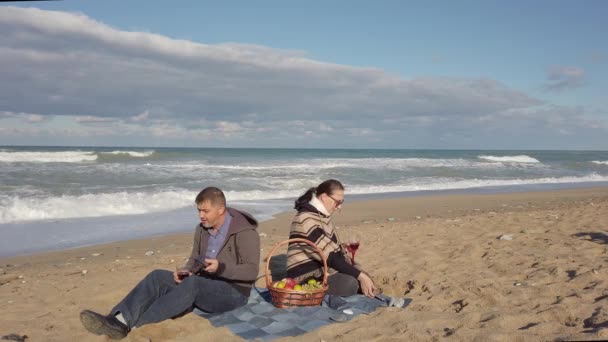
(511, 159)
(15, 209)
(47, 157)
(343, 163)
(599, 162)
(91, 205)
(283, 166)
(451, 184)
(140, 154)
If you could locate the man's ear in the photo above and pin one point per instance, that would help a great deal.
(222, 210)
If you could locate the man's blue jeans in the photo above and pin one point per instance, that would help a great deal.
(157, 298)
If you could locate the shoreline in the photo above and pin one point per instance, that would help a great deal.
(351, 199)
(355, 211)
(438, 250)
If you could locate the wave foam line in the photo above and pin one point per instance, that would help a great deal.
(599, 162)
(358, 163)
(47, 157)
(135, 154)
(91, 205)
(449, 184)
(17, 209)
(510, 159)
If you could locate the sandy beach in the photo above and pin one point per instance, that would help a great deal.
(546, 281)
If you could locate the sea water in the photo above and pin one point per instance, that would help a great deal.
(60, 197)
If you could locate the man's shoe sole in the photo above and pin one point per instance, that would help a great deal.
(96, 324)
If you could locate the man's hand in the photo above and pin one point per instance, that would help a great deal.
(176, 278)
(367, 285)
(211, 265)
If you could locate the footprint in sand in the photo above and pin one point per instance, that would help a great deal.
(410, 286)
(459, 305)
(599, 319)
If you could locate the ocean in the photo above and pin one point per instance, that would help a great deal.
(61, 197)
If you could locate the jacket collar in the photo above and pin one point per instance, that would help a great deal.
(307, 207)
(315, 202)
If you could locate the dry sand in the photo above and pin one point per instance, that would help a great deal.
(548, 283)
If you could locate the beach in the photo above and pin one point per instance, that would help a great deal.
(474, 172)
(544, 280)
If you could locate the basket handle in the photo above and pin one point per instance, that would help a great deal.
(268, 280)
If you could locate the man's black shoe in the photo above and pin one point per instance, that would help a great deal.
(103, 325)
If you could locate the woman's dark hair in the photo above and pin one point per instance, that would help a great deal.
(327, 187)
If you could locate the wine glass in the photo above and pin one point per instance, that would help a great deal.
(353, 246)
(182, 271)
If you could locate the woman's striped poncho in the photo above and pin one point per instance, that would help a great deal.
(303, 261)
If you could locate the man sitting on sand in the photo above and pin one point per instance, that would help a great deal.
(223, 267)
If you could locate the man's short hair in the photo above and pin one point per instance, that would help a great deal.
(212, 194)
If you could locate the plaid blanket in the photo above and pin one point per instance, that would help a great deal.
(259, 320)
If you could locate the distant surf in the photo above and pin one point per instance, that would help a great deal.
(58, 197)
(511, 159)
(47, 157)
(19, 209)
(7, 156)
(51, 183)
(135, 154)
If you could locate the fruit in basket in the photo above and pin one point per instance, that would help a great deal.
(312, 287)
(289, 283)
(298, 287)
(312, 281)
(279, 285)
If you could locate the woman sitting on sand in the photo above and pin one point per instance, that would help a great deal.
(313, 222)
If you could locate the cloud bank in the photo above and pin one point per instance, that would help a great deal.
(77, 80)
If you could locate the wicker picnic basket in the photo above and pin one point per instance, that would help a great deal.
(284, 298)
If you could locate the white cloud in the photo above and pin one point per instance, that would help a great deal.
(98, 77)
(35, 118)
(76, 61)
(143, 116)
(323, 127)
(228, 127)
(562, 77)
(27, 117)
(92, 119)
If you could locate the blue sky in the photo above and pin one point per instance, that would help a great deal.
(469, 74)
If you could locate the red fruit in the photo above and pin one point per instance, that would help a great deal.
(289, 283)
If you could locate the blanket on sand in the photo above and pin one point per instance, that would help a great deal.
(259, 320)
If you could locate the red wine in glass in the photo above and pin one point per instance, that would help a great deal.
(352, 248)
(182, 272)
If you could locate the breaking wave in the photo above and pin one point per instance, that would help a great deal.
(510, 159)
(47, 157)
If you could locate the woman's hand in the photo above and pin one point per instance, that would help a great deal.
(367, 285)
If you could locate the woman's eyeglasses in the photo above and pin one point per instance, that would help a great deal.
(338, 203)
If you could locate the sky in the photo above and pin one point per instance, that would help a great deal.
(322, 74)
